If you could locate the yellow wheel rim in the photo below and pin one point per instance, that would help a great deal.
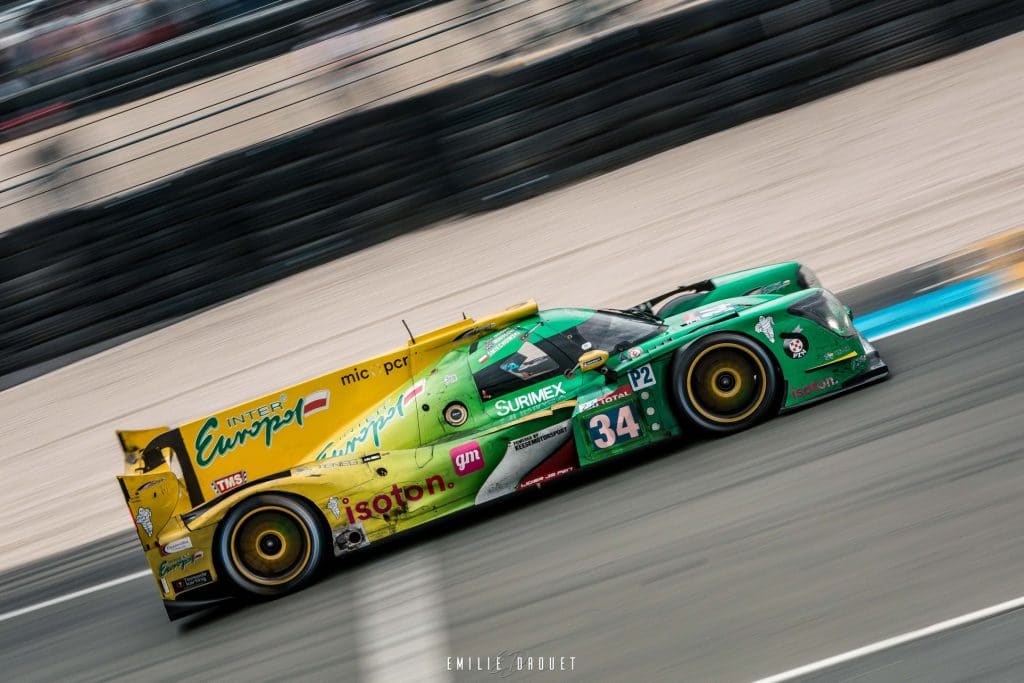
(726, 383)
(270, 545)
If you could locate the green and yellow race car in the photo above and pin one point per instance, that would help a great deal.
(252, 500)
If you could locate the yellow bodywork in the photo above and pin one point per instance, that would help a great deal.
(279, 434)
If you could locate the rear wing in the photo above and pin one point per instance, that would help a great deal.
(133, 444)
(280, 430)
(781, 278)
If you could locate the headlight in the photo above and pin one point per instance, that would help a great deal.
(806, 278)
(824, 308)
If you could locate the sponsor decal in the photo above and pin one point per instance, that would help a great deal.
(522, 456)
(315, 402)
(456, 414)
(467, 458)
(177, 546)
(815, 387)
(368, 430)
(706, 313)
(231, 481)
(370, 458)
(358, 374)
(634, 353)
(450, 379)
(192, 581)
(506, 406)
(499, 340)
(769, 289)
(332, 505)
(622, 392)
(144, 518)
(561, 429)
(208, 448)
(414, 391)
(179, 563)
(766, 326)
(395, 499)
(642, 377)
(547, 476)
(794, 344)
(259, 412)
(613, 426)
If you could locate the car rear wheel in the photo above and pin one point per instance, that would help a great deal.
(270, 545)
(724, 383)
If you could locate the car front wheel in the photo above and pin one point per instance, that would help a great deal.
(724, 383)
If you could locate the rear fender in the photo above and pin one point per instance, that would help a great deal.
(152, 499)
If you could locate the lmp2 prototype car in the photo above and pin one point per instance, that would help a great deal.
(251, 500)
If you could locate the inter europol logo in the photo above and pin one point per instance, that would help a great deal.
(209, 445)
(179, 563)
(370, 428)
(467, 458)
(397, 498)
(814, 387)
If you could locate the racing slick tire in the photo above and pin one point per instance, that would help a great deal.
(270, 544)
(723, 383)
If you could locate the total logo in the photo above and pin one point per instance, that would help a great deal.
(814, 387)
(467, 458)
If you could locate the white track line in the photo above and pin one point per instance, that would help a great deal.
(137, 575)
(895, 641)
(402, 634)
(77, 594)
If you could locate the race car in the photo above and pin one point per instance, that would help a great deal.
(252, 500)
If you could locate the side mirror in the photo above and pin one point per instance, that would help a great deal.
(592, 360)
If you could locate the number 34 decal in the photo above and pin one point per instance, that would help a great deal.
(613, 426)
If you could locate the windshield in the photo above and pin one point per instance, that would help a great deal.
(604, 331)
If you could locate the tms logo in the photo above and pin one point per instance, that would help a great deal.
(231, 481)
(467, 458)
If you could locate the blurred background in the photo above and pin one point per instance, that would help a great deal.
(202, 201)
(78, 124)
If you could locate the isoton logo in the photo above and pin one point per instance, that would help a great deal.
(397, 497)
(814, 387)
(467, 458)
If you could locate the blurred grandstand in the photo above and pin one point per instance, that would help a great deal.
(78, 129)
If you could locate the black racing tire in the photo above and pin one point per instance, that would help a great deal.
(270, 545)
(724, 383)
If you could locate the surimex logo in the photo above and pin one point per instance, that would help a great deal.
(506, 406)
(209, 447)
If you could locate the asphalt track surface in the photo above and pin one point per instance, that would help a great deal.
(861, 518)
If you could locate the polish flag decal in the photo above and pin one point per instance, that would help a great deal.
(315, 402)
(414, 391)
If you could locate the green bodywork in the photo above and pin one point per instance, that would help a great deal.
(511, 409)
